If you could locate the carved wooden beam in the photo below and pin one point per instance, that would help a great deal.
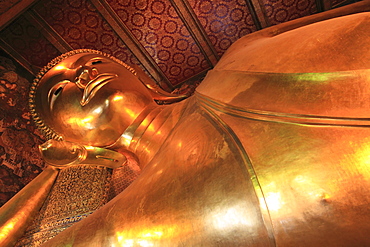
(258, 13)
(196, 30)
(11, 11)
(322, 5)
(47, 31)
(18, 57)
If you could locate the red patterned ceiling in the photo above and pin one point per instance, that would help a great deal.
(29, 42)
(224, 21)
(174, 41)
(286, 10)
(158, 28)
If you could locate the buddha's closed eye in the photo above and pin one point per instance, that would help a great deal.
(55, 92)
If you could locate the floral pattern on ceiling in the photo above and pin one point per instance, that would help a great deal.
(286, 10)
(173, 41)
(224, 21)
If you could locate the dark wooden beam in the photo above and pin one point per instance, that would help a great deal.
(343, 3)
(258, 13)
(131, 42)
(196, 30)
(16, 10)
(320, 5)
(254, 15)
(33, 70)
(327, 5)
(47, 31)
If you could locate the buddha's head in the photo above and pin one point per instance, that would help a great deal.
(88, 97)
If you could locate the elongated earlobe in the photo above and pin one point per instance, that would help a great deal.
(62, 154)
(156, 91)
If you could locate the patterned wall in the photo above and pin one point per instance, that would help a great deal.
(19, 140)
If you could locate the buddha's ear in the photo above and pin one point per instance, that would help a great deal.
(63, 154)
(132, 161)
(156, 91)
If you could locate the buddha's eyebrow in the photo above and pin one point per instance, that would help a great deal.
(79, 62)
(75, 65)
(83, 61)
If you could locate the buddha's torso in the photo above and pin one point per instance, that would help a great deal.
(257, 159)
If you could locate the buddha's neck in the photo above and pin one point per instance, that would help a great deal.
(147, 133)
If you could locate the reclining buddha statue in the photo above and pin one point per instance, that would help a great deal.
(273, 148)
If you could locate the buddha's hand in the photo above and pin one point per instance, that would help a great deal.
(63, 154)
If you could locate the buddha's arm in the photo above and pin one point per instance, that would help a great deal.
(19, 211)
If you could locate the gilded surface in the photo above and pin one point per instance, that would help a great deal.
(71, 199)
(307, 165)
(19, 211)
(257, 159)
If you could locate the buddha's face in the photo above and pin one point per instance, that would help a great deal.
(90, 99)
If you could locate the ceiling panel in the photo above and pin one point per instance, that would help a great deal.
(81, 26)
(159, 29)
(175, 41)
(28, 41)
(279, 11)
(224, 21)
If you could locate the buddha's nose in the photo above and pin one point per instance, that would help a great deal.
(91, 83)
(85, 77)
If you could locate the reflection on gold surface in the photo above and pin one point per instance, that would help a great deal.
(362, 155)
(306, 186)
(147, 237)
(129, 112)
(6, 230)
(84, 122)
(60, 67)
(87, 121)
(98, 110)
(20, 210)
(274, 201)
(89, 147)
(117, 98)
(229, 218)
(314, 77)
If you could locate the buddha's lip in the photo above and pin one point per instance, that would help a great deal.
(94, 85)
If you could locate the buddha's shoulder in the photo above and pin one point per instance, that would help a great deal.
(301, 46)
(303, 67)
